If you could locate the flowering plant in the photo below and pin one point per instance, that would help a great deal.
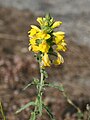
(46, 45)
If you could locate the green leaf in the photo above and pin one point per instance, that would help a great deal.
(28, 85)
(36, 81)
(60, 87)
(26, 106)
(49, 112)
(47, 29)
(47, 16)
(51, 22)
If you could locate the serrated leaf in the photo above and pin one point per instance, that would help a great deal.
(25, 106)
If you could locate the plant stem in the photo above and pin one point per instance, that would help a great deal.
(39, 103)
(2, 112)
(41, 81)
(40, 107)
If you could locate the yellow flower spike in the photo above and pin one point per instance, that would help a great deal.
(44, 40)
(40, 20)
(45, 60)
(44, 47)
(56, 24)
(59, 59)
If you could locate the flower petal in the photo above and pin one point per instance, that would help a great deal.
(44, 47)
(40, 20)
(35, 27)
(59, 59)
(56, 24)
(46, 60)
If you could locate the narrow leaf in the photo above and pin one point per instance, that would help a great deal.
(56, 86)
(49, 112)
(25, 106)
(27, 86)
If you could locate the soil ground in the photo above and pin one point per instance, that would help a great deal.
(18, 66)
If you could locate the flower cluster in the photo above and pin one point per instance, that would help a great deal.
(47, 43)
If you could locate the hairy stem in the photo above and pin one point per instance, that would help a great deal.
(41, 81)
(40, 91)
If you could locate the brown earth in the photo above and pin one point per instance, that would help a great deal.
(17, 68)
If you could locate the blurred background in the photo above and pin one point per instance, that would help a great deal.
(18, 66)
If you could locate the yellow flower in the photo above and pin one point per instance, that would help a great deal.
(61, 46)
(59, 59)
(58, 39)
(40, 20)
(35, 48)
(45, 60)
(33, 31)
(44, 47)
(35, 27)
(56, 24)
(42, 35)
(58, 36)
(32, 41)
(59, 33)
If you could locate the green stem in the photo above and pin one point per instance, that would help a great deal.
(41, 81)
(40, 91)
(2, 112)
(39, 103)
